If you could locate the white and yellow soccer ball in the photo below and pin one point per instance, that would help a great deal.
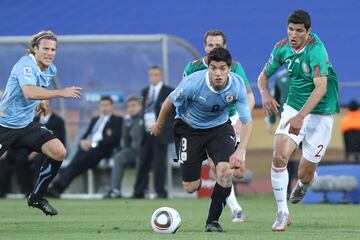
(165, 220)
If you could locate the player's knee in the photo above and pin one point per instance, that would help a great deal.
(191, 187)
(59, 153)
(224, 178)
(279, 159)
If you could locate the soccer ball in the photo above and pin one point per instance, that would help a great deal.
(165, 220)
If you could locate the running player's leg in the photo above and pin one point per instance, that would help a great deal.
(316, 140)
(40, 139)
(220, 147)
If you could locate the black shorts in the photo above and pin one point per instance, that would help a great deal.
(31, 137)
(193, 145)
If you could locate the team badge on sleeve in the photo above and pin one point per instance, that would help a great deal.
(229, 98)
(27, 70)
(180, 93)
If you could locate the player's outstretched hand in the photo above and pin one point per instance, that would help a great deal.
(235, 161)
(295, 124)
(270, 105)
(72, 92)
(39, 109)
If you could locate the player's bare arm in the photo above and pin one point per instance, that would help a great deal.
(238, 156)
(39, 93)
(317, 94)
(166, 110)
(251, 100)
(270, 105)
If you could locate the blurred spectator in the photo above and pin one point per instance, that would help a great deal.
(350, 127)
(280, 91)
(27, 165)
(132, 130)
(153, 152)
(98, 142)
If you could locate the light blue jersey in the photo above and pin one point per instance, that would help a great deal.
(199, 105)
(17, 111)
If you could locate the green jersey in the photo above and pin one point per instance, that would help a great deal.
(201, 64)
(236, 67)
(310, 62)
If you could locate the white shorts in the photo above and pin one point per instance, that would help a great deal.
(315, 133)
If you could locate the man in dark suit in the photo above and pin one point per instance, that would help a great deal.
(98, 142)
(154, 149)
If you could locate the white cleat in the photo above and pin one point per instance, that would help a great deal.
(238, 216)
(282, 220)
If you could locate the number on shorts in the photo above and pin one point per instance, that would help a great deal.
(320, 146)
(183, 153)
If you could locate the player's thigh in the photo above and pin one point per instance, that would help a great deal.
(190, 150)
(284, 146)
(317, 137)
(40, 139)
(8, 137)
(221, 143)
(282, 128)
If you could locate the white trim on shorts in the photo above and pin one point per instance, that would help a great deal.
(315, 133)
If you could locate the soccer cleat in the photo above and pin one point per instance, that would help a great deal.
(282, 220)
(297, 194)
(238, 216)
(114, 193)
(214, 226)
(43, 205)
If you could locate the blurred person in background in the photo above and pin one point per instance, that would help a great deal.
(27, 84)
(153, 152)
(99, 141)
(131, 136)
(350, 128)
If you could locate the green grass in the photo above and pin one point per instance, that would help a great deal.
(130, 219)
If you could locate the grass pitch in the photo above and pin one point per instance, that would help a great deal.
(130, 219)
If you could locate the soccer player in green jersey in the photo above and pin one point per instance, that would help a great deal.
(308, 113)
(213, 39)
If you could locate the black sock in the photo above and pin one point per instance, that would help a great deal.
(48, 171)
(218, 201)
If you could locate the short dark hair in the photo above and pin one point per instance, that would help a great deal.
(106, 98)
(133, 99)
(353, 105)
(155, 67)
(220, 54)
(215, 32)
(300, 16)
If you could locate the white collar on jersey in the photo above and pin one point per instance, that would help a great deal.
(203, 60)
(299, 51)
(207, 79)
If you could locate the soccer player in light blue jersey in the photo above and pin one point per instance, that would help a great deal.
(27, 84)
(202, 102)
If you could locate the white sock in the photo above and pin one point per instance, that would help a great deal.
(279, 182)
(231, 201)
